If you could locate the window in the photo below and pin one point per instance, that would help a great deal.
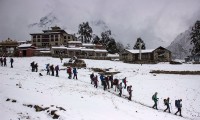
(38, 40)
(34, 36)
(65, 37)
(65, 41)
(45, 36)
(68, 37)
(56, 43)
(56, 39)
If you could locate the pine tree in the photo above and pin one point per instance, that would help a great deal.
(111, 46)
(85, 32)
(96, 39)
(137, 44)
(105, 37)
(108, 42)
(195, 38)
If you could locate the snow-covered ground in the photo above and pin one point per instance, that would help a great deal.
(82, 101)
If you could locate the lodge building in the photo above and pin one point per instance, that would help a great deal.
(159, 54)
(54, 37)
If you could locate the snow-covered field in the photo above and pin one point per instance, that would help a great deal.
(82, 101)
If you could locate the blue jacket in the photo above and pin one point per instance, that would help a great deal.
(101, 77)
(74, 71)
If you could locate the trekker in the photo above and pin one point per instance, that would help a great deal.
(47, 68)
(95, 81)
(32, 66)
(36, 67)
(129, 90)
(107, 82)
(155, 99)
(116, 83)
(1, 60)
(104, 84)
(57, 69)
(111, 80)
(52, 70)
(69, 72)
(4, 61)
(61, 59)
(166, 102)
(91, 78)
(11, 62)
(75, 73)
(120, 89)
(124, 81)
(179, 106)
(102, 78)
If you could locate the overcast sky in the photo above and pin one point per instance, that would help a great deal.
(157, 22)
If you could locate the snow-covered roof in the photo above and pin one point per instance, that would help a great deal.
(61, 47)
(74, 42)
(84, 49)
(142, 51)
(75, 48)
(88, 45)
(100, 50)
(45, 51)
(113, 55)
(25, 45)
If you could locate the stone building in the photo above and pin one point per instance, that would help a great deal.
(54, 37)
(26, 50)
(8, 47)
(89, 51)
(159, 54)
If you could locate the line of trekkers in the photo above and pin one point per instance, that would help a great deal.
(3, 61)
(178, 104)
(108, 82)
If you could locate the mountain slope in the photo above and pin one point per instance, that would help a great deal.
(181, 46)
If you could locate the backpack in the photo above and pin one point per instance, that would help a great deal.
(68, 70)
(153, 97)
(165, 101)
(32, 64)
(176, 103)
(128, 88)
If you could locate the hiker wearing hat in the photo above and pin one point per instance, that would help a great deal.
(155, 99)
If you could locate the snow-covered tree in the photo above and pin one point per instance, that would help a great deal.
(195, 38)
(137, 44)
(85, 32)
(96, 39)
(108, 42)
